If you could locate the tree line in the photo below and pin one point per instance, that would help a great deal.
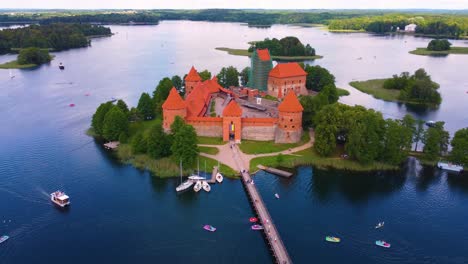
(287, 46)
(418, 87)
(57, 36)
(368, 137)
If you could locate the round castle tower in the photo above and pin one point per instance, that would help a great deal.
(191, 80)
(289, 120)
(172, 107)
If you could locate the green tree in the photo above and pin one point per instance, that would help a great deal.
(123, 106)
(318, 77)
(115, 123)
(139, 144)
(325, 139)
(177, 124)
(158, 142)
(33, 56)
(123, 138)
(419, 133)
(228, 77)
(397, 141)
(134, 115)
(184, 145)
(145, 106)
(97, 122)
(205, 75)
(439, 45)
(245, 76)
(436, 141)
(177, 82)
(161, 93)
(459, 153)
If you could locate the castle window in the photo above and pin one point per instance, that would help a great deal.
(285, 126)
(290, 120)
(292, 126)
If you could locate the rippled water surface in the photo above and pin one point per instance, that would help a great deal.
(120, 214)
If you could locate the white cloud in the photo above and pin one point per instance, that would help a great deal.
(266, 4)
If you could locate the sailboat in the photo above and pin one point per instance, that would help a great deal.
(206, 186)
(183, 186)
(197, 177)
(219, 177)
(198, 186)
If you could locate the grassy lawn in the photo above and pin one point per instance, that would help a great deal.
(310, 157)
(140, 126)
(426, 52)
(14, 65)
(210, 140)
(209, 150)
(244, 52)
(260, 147)
(375, 88)
(342, 92)
(166, 167)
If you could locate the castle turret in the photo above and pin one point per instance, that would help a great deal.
(191, 80)
(289, 120)
(172, 107)
(232, 128)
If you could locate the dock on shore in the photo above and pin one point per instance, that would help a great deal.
(112, 145)
(278, 172)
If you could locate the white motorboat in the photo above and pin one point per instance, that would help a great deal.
(219, 177)
(206, 186)
(277, 196)
(379, 225)
(60, 198)
(198, 186)
(449, 166)
(430, 123)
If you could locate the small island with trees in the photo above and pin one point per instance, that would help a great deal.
(415, 89)
(285, 49)
(34, 42)
(439, 47)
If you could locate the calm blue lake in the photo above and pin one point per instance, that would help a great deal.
(120, 214)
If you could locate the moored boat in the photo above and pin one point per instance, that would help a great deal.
(219, 177)
(61, 66)
(198, 186)
(253, 219)
(449, 166)
(206, 186)
(196, 178)
(4, 238)
(332, 239)
(257, 227)
(209, 228)
(60, 198)
(382, 243)
(430, 123)
(277, 196)
(184, 186)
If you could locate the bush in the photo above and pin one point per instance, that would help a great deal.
(439, 45)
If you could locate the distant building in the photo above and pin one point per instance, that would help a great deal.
(411, 28)
(287, 77)
(261, 65)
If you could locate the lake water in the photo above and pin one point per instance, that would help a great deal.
(120, 214)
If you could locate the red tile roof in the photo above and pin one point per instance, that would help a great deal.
(197, 100)
(263, 54)
(213, 85)
(290, 104)
(285, 70)
(193, 76)
(173, 101)
(232, 109)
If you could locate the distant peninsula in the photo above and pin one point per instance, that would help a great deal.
(285, 49)
(439, 47)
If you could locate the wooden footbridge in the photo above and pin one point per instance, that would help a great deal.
(271, 233)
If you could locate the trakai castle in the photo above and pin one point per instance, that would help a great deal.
(237, 113)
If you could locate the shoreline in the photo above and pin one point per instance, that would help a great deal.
(452, 50)
(244, 52)
(14, 64)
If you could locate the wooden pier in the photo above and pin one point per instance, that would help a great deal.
(112, 145)
(213, 175)
(278, 172)
(271, 233)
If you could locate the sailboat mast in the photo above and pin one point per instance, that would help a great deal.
(198, 166)
(180, 166)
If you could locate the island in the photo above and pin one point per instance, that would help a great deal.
(34, 42)
(285, 49)
(439, 47)
(415, 89)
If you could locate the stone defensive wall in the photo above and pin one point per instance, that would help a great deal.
(262, 129)
(207, 126)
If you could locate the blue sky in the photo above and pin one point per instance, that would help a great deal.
(266, 4)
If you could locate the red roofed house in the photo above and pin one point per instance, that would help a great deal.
(232, 125)
(285, 77)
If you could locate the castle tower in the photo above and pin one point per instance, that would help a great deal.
(232, 128)
(261, 65)
(287, 77)
(172, 107)
(191, 80)
(289, 120)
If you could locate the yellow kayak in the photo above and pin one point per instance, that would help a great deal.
(332, 239)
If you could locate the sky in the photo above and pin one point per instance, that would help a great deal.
(264, 4)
